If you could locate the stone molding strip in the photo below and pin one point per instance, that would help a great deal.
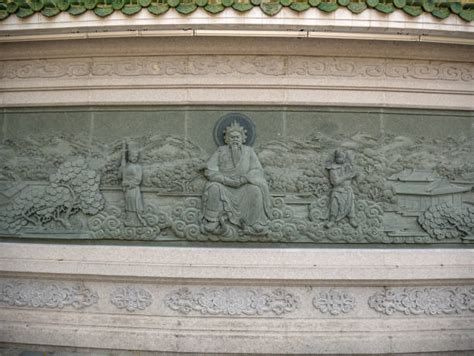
(301, 67)
(219, 334)
(230, 79)
(256, 266)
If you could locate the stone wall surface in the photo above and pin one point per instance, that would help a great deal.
(216, 300)
(380, 263)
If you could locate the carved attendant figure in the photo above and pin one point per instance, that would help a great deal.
(341, 204)
(237, 192)
(132, 175)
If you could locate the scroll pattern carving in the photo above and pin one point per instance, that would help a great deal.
(46, 295)
(131, 298)
(173, 66)
(232, 301)
(429, 301)
(334, 302)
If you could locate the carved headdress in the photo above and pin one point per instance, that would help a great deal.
(237, 128)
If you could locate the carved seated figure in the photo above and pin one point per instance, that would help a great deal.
(237, 192)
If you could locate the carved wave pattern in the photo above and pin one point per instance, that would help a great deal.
(171, 66)
(46, 295)
(231, 301)
(428, 301)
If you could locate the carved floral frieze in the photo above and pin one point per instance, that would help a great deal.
(232, 301)
(428, 301)
(271, 66)
(131, 298)
(46, 295)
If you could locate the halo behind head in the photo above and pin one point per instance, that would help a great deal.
(234, 121)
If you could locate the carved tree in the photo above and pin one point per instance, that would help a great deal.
(73, 188)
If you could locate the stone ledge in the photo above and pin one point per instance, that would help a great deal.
(361, 265)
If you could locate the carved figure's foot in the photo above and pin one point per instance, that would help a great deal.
(353, 223)
(210, 226)
(256, 229)
(132, 220)
(329, 224)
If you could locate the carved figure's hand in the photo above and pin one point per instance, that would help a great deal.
(232, 182)
(243, 180)
(218, 178)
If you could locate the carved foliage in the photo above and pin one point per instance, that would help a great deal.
(231, 301)
(444, 221)
(46, 295)
(429, 301)
(334, 302)
(131, 298)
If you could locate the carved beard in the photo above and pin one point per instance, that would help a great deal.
(235, 151)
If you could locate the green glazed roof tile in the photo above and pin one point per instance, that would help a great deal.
(440, 9)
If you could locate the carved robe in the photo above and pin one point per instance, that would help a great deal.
(132, 176)
(245, 206)
(341, 203)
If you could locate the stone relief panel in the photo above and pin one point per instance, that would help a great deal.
(326, 186)
(46, 295)
(428, 301)
(232, 301)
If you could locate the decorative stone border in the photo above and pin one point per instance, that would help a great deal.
(428, 301)
(46, 295)
(232, 301)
